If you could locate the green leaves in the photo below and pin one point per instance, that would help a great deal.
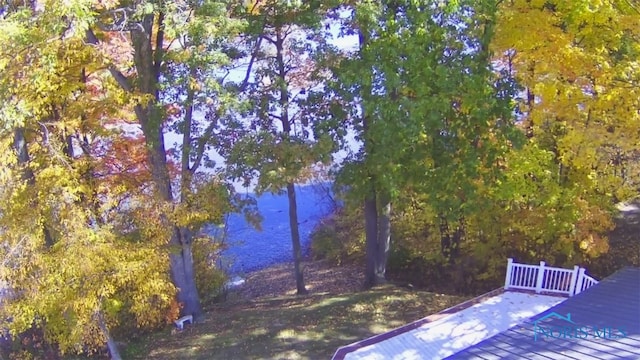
(432, 102)
(439, 116)
(436, 99)
(281, 137)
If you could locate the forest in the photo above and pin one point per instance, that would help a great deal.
(455, 133)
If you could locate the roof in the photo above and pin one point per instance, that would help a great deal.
(443, 334)
(602, 322)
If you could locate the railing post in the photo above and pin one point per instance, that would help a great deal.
(579, 281)
(540, 277)
(574, 280)
(507, 280)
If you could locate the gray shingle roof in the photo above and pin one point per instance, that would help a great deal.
(603, 322)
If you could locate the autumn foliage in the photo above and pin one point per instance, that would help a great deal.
(472, 130)
(465, 199)
(83, 240)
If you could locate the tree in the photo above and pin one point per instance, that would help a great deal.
(579, 69)
(68, 271)
(177, 48)
(551, 197)
(433, 114)
(278, 146)
(353, 86)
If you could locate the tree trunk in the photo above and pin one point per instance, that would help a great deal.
(295, 240)
(370, 201)
(151, 121)
(458, 238)
(450, 243)
(384, 239)
(371, 239)
(291, 191)
(22, 151)
(20, 147)
(531, 100)
(182, 269)
(111, 344)
(445, 238)
(183, 274)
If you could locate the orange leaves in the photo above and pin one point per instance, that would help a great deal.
(123, 163)
(589, 230)
(173, 109)
(116, 49)
(86, 268)
(173, 312)
(95, 231)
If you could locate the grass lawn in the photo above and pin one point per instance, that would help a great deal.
(309, 327)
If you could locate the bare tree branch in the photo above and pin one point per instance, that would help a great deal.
(121, 21)
(157, 60)
(254, 55)
(202, 143)
(278, 117)
(117, 75)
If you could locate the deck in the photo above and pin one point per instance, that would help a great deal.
(447, 334)
(528, 291)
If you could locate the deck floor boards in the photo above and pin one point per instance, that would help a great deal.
(448, 335)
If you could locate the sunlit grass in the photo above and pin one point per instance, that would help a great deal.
(310, 327)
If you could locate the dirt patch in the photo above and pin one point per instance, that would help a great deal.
(321, 277)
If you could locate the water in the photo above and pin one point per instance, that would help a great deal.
(250, 249)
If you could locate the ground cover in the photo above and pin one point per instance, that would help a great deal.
(261, 324)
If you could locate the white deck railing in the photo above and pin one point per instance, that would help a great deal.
(541, 278)
(584, 282)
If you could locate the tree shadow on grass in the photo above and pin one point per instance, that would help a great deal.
(310, 327)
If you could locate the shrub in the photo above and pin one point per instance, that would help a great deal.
(339, 237)
(209, 278)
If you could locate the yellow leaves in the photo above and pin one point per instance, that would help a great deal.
(209, 279)
(105, 4)
(185, 217)
(97, 273)
(407, 92)
(74, 244)
(194, 85)
(577, 60)
(89, 268)
(207, 203)
(513, 32)
(593, 222)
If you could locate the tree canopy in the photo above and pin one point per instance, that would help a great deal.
(474, 131)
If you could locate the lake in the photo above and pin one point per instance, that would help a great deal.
(251, 250)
